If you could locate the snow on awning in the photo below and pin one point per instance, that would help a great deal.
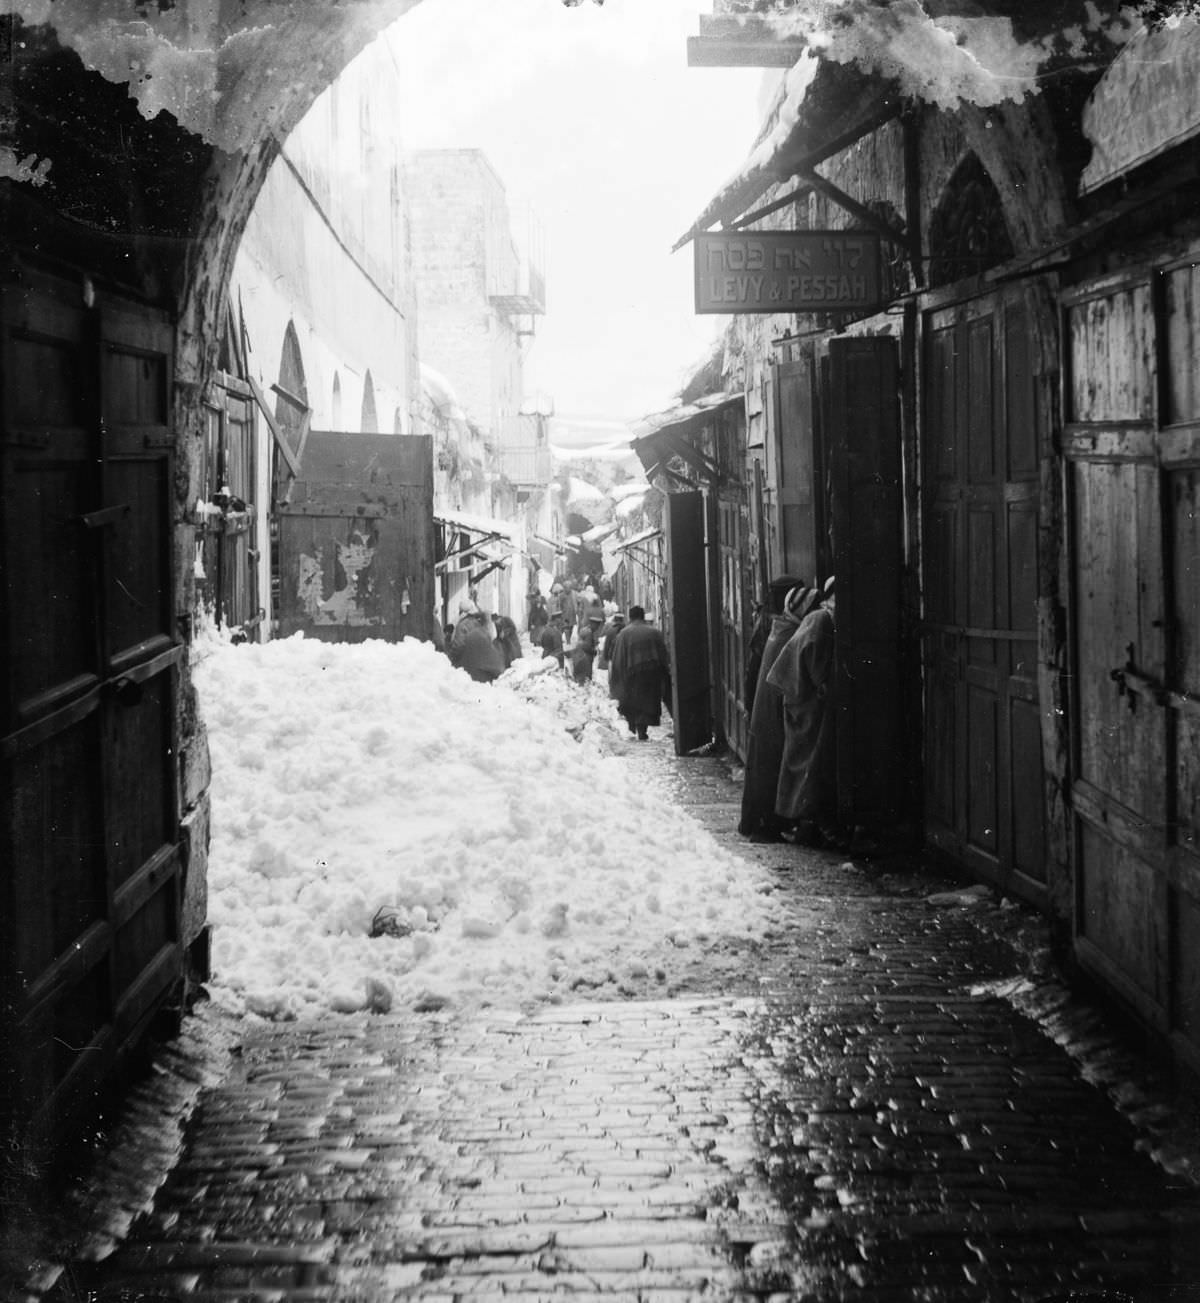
(663, 435)
(685, 417)
(644, 537)
(1147, 102)
(486, 526)
(598, 533)
(579, 490)
(823, 108)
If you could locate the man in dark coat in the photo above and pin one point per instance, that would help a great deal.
(640, 673)
(551, 641)
(472, 648)
(764, 750)
(508, 640)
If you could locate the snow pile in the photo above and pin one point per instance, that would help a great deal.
(514, 863)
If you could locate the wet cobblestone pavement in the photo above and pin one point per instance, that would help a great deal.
(869, 1105)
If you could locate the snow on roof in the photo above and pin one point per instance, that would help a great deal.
(685, 414)
(644, 537)
(619, 492)
(862, 48)
(628, 507)
(598, 533)
(476, 524)
(579, 490)
(441, 393)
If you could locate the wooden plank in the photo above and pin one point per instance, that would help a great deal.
(800, 506)
(276, 433)
(704, 52)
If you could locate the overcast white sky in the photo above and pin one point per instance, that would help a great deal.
(592, 116)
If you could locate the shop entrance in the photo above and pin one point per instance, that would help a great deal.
(984, 798)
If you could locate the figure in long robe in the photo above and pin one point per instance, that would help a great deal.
(764, 750)
(640, 673)
(803, 674)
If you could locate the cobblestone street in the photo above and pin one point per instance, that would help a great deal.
(870, 1104)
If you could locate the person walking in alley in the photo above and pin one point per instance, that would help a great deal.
(584, 651)
(539, 618)
(607, 639)
(764, 751)
(472, 647)
(551, 641)
(803, 675)
(640, 673)
(508, 640)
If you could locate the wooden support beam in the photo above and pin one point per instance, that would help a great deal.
(280, 438)
(744, 41)
(703, 52)
(894, 234)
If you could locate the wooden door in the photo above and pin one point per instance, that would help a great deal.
(1132, 446)
(356, 539)
(90, 864)
(227, 529)
(867, 542)
(731, 533)
(687, 629)
(799, 471)
(983, 751)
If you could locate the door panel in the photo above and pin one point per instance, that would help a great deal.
(983, 768)
(800, 471)
(733, 623)
(88, 814)
(864, 463)
(687, 600)
(1133, 622)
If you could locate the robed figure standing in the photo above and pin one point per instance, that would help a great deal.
(639, 673)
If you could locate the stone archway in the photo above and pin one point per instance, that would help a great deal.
(144, 141)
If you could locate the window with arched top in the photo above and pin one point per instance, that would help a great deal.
(967, 233)
(370, 418)
(335, 404)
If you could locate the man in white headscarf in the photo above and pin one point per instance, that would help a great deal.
(472, 647)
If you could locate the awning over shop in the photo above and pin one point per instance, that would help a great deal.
(1146, 103)
(492, 541)
(638, 540)
(823, 108)
(663, 435)
(598, 533)
(486, 526)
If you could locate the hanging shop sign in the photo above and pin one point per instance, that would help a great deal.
(787, 271)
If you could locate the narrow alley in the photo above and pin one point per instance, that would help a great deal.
(902, 1105)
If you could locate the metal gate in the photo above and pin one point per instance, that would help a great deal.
(983, 746)
(1132, 403)
(90, 865)
(356, 539)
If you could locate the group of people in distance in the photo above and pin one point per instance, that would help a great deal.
(581, 630)
(790, 788)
